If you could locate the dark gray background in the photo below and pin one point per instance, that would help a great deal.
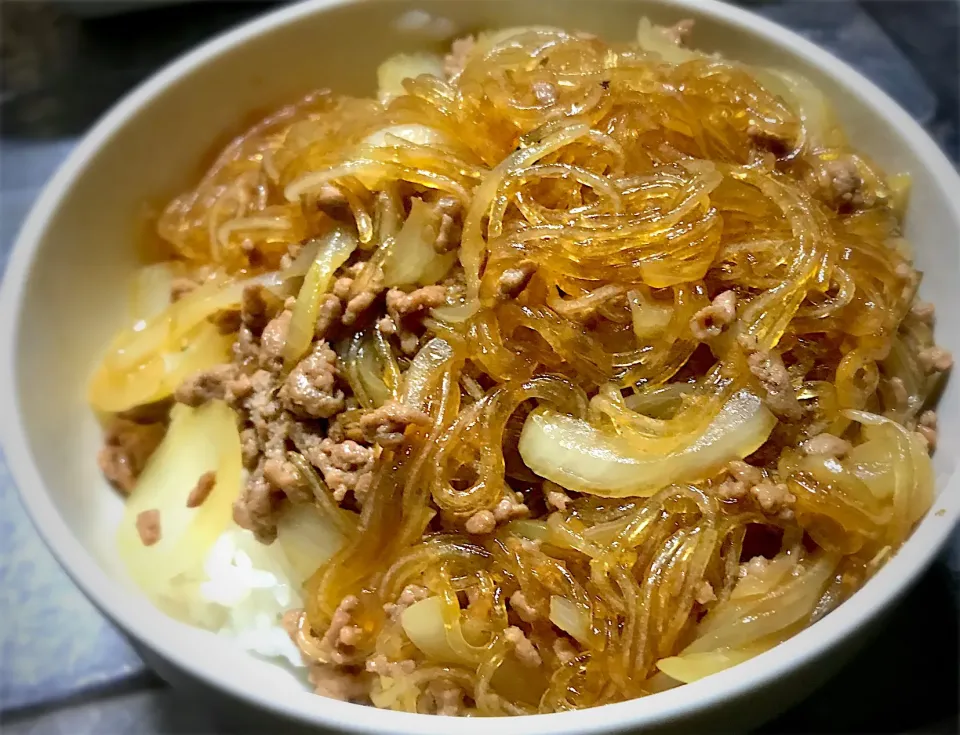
(63, 669)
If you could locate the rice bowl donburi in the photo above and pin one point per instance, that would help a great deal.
(558, 374)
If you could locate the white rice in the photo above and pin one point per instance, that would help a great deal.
(242, 593)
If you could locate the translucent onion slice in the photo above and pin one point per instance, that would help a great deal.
(333, 250)
(413, 260)
(150, 294)
(308, 539)
(431, 628)
(119, 390)
(695, 666)
(742, 622)
(578, 456)
(424, 371)
(392, 72)
(198, 441)
(654, 39)
(571, 618)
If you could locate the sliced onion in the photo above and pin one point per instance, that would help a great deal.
(694, 666)
(332, 252)
(120, 390)
(419, 380)
(872, 463)
(578, 456)
(413, 260)
(431, 628)
(659, 403)
(151, 291)
(654, 39)
(649, 319)
(749, 620)
(392, 72)
(571, 618)
(762, 582)
(199, 440)
(308, 539)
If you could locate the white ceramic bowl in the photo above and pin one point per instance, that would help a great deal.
(65, 290)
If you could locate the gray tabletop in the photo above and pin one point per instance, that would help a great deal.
(64, 669)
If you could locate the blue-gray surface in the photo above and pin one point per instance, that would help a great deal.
(64, 669)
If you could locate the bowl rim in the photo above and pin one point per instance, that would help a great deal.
(166, 638)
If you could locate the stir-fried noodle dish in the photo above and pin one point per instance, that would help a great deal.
(560, 373)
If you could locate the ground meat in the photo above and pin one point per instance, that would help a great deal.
(249, 447)
(449, 211)
(310, 390)
(679, 32)
(386, 425)
(448, 234)
(768, 368)
(927, 428)
(442, 697)
(284, 476)
(357, 296)
(731, 489)
(258, 506)
(246, 350)
(387, 326)
(480, 523)
(743, 477)
(935, 359)
(127, 446)
(510, 507)
(202, 489)
(526, 652)
(345, 426)
(382, 666)
(710, 321)
(555, 496)
(341, 288)
(841, 182)
(331, 310)
(456, 60)
(273, 339)
(347, 466)
(826, 445)
(219, 383)
(411, 593)
(773, 497)
(257, 307)
(336, 682)
(582, 308)
(409, 342)
(704, 593)
(148, 527)
(924, 311)
(524, 610)
(758, 566)
(266, 414)
(513, 280)
(401, 304)
(744, 472)
(338, 645)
